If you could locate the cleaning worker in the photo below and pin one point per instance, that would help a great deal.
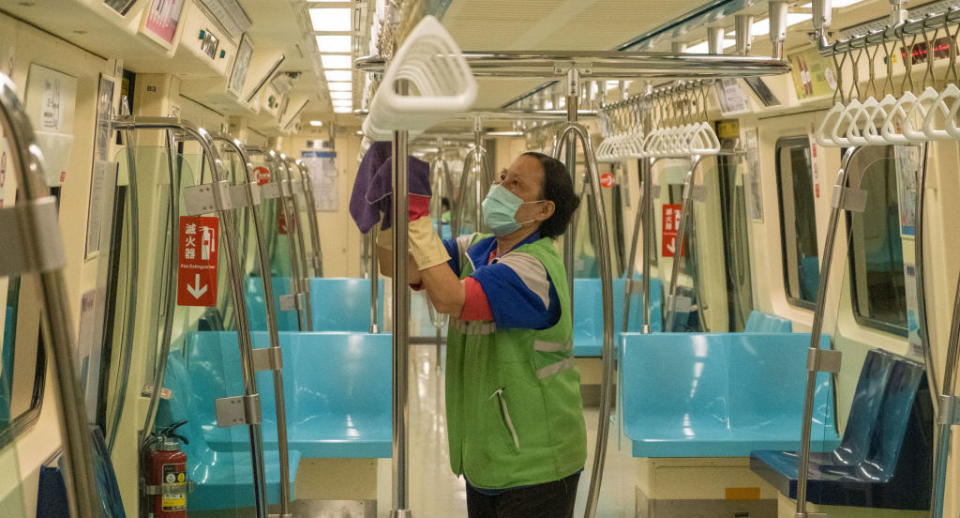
(514, 414)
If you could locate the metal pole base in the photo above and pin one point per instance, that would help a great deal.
(401, 513)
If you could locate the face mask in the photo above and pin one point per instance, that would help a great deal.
(500, 210)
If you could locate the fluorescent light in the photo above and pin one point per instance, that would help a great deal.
(342, 102)
(341, 95)
(331, 19)
(334, 61)
(339, 86)
(338, 75)
(342, 109)
(333, 43)
(316, 124)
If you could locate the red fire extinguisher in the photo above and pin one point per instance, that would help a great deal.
(166, 468)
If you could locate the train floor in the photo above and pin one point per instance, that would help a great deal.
(435, 492)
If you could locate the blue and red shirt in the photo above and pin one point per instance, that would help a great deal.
(513, 290)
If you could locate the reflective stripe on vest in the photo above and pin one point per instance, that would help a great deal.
(551, 347)
(473, 328)
(554, 368)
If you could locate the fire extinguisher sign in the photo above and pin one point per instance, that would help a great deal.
(197, 271)
(671, 227)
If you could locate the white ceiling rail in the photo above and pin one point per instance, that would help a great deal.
(440, 84)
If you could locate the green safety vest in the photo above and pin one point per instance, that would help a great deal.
(514, 412)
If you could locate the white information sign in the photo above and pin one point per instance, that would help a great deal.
(732, 99)
(323, 174)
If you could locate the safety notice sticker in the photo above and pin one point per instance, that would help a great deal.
(197, 271)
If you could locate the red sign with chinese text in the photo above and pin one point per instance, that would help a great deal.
(262, 174)
(671, 227)
(607, 180)
(197, 263)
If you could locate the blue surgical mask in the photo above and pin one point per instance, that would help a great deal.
(500, 210)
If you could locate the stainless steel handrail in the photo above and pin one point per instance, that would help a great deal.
(130, 317)
(442, 186)
(630, 267)
(236, 284)
(817, 329)
(311, 201)
(272, 331)
(79, 477)
(606, 291)
(401, 322)
(685, 209)
(301, 248)
(374, 282)
(607, 64)
(296, 277)
(947, 412)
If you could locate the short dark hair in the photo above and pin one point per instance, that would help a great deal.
(558, 188)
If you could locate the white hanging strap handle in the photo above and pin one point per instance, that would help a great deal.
(913, 123)
(941, 106)
(898, 114)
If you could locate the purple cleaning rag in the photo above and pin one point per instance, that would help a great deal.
(364, 214)
(379, 192)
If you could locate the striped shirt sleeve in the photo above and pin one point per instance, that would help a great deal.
(519, 291)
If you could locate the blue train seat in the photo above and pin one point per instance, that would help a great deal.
(760, 322)
(337, 390)
(338, 304)
(719, 394)
(885, 458)
(588, 312)
(222, 480)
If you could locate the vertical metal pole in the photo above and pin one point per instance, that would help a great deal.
(715, 40)
(130, 317)
(296, 277)
(569, 242)
(374, 281)
(804, 460)
(649, 233)
(634, 242)
(80, 481)
(279, 397)
(311, 201)
(946, 412)
(685, 210)
(301, 247)
(170, 286)
(744, 24)
(778, 27)
(401, 320)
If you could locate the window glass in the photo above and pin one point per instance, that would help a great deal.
(876, 252)
(798, 227)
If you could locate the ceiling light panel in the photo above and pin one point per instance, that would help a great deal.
(341, 95)
(338, 75)
(333, 43)
(339, 86)
(342, 109)
(331, 19)
(334, 61)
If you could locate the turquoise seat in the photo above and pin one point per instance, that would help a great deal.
(223, 480)
(338, 304)
(337, 391)
(720, 394)
(760, 322)
(588, 312)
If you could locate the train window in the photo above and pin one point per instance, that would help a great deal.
(876, 252)
(798, 227)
